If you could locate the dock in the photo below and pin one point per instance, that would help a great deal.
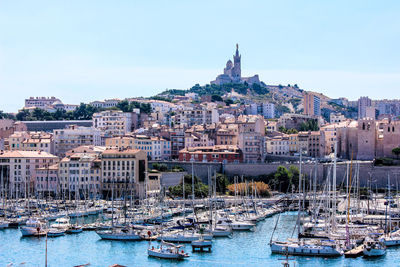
(355, 252)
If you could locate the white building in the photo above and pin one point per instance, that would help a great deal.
(73, 137)
(336, 118)
(266, 109)
(40, 102)
(107, 103)
(113, 122)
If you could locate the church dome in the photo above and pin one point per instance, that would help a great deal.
(229, 64)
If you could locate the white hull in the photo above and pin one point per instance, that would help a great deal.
(119, 236)
(221, 233)
(183, 238)
(304, 250)
(374, 252)
(165, 255)
(3, 225)
(31, 231)
(391, 242)
(55, 233)
(242, 226)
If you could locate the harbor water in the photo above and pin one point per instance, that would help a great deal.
(243, 249)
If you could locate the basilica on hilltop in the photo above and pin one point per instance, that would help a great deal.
(233, 72)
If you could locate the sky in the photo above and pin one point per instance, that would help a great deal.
(80, 51)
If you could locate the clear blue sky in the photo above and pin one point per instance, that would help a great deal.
(90, 50)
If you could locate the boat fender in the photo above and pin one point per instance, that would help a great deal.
(38, 229)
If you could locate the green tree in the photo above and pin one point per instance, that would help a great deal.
(396, 151)
(200, 189)
(216, 98)
(222, 183)
(282, 178)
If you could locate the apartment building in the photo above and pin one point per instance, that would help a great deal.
(73, 137)
(156, 148)
(18, 170)
(31, 141)
(278, 145)
(251, 142)
(46, 181)
(124, 172)
(113, 122)
(311, 104)
(80, 176)
(219, 153)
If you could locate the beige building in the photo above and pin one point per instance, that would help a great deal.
(156, 148)
(73, 137)
(124, 172)
(31, 141)
(251, 131)
(80, 172)
(311, 104)
(278, 145)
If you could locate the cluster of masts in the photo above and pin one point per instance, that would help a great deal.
(340, 222)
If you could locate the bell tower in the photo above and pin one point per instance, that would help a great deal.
(237, 72)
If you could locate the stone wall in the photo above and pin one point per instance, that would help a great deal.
(377, 175)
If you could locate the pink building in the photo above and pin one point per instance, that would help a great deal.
(46, 180)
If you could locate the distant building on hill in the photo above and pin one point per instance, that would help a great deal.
(233, 72)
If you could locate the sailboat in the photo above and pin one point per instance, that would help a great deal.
(325, 248)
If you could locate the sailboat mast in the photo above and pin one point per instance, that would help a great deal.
(334, 188)
(300, 209)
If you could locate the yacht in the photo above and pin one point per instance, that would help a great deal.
(374, 248)
(183, 237)
(167, 251)
(126, 234)
(327, 249)
(54, 232)
(236, 225)
(62, 223)
(34, 227)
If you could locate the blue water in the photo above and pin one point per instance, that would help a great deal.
(244, 249)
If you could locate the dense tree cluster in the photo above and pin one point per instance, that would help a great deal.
(200, 189)
(82, 112)
(309, 125)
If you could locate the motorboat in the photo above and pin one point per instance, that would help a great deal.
(183, 237)
(55, 232)
(220, 231)
(167, 251)
(236, 225)
(374, 248)
(34, 227)
(62, 223)
(74, 229)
